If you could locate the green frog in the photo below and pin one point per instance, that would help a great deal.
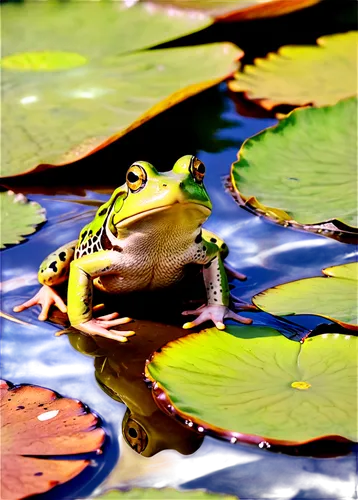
(141, 239)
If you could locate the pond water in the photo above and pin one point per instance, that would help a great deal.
(101, 373)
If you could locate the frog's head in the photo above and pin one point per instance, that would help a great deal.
(152, 193)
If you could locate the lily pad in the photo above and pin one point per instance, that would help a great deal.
(19, 217)
(75, 91)
(333, 296)
(38, 422)
(240, 10)
(302, 75)
(303, 172)
(163, 493)
(253, 384)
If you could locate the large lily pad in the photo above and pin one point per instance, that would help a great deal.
(19, 217)
(162, 493)
(303, 172)
(36, 422)
(252, 383)
(333, 296)
(240, 10)
(74, 91)
(301, 75)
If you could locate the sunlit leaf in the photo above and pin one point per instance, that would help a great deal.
(239, 10)
(19, 217)
(251, 383)
(301, 75)
(67, 112)
(303, 172)
(36, 421)
(333, 296)
(162, 493)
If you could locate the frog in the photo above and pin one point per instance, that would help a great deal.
(141, 239)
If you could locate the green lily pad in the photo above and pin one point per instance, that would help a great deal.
(301, 75)
(19, 217)
(68, 108)
(240, 10)
(303, 172)
(333, 296)
(254, 384)
(163, 493)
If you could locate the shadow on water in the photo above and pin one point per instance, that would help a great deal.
(207, 125)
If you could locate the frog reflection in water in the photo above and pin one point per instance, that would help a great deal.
(143, 238)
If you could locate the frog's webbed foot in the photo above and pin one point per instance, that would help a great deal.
(102, 326)
(215, 313)
(45, 297)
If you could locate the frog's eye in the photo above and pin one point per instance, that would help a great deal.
(135, 435)
(197, 169)
(136, 178)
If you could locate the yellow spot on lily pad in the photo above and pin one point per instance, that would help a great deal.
(301, 386)
(43, 61)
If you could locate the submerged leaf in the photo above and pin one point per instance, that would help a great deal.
(253, 384)
(301, 75)
(19, 217)
(36, 421)
(162, 493)
(333, 296)
(67, 112)
(304, 170)
(240, 10)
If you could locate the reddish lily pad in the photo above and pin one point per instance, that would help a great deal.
(240, 10)
(301, 75)
(253, 384)
(37, 423)
(76, 90)
(333, 296)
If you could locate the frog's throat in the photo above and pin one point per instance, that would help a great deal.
(135, 218)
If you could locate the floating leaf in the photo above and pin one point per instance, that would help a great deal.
(333, 296)
(37, 422)
(240, 10)
(301, 75)
(67, 112)
(19, 217)
(163, 493)
(252, 383)
(303, 172)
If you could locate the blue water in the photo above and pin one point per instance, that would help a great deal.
(266, 253)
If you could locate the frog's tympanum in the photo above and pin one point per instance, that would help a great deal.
(142, 239)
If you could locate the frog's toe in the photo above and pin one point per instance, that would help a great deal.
(102, 327)
(215, 313)
(45, 297)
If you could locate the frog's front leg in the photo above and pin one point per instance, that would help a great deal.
(223, 249)
(217, 291)
(53, 271)
(80, 291)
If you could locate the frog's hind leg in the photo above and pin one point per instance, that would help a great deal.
(53, 271)
(214, 238)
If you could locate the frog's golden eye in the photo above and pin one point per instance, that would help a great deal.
(197, 170)
(136, 178)
(135, 435)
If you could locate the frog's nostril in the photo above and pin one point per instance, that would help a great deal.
(164, 185)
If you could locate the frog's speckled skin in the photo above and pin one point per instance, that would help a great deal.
(142, 238)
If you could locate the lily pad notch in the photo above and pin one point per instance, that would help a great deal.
(252, 384)
(277, 168)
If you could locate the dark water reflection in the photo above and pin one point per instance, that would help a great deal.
(80, 367)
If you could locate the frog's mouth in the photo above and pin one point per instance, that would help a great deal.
(204, 213)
